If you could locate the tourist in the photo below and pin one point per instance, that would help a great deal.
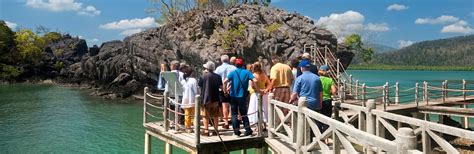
(262, 82)
(312, 68)
(240, 79)
(232, 60)
(294, 69)
(329, 88)
(281, 78)
(190, 90)
(175, 66)
(210, 83)
(161, 81)
(223, 70)
(308, 85)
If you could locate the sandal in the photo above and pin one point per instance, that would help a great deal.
(205, 133)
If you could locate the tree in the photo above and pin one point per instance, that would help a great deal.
(29, 45)
(52, 37)
(7, 42)
(354, 42)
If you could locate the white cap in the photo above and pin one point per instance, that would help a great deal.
(210, 65)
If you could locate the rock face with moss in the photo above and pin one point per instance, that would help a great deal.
(124, 67)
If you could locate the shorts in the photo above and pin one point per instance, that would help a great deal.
(223, 98)
(210, 110)
(282, 94)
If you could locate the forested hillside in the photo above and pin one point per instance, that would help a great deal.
(456, 51)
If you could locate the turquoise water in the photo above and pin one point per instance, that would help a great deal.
(55, 119)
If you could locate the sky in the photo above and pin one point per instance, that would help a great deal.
(392, 23)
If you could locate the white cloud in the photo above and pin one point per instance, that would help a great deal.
(342, 24)
(89, 11)
(397, 7)
(444, 19)
(381, 27)
(130, 24)
(11, 25)
(63, 5)
(129, 32)
(459, 27)
(403, 43)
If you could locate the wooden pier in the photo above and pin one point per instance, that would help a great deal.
(365, 120)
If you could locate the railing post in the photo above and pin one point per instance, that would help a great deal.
(338, 69)
(176, 107)
(147, 146)
(384, 100)
(342, 93)
(357, 89)
(446, 87)
(350, 84)
(397, 93)
(387, 93)
(406, 140)
(417, 92)
(145, 90)
(443, 91)
(363, 91)
(270, 113)
(300, 125)
(465, 118)
(197, 120)
(425, 88)
(370, 122)
(166, 106)
(260, 115)
(464, 89)
(337, 107)
(325, 55)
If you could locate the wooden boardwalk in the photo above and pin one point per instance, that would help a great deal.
(365, 120)
(207, 144)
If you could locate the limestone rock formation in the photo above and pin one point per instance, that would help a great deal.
(125, 67)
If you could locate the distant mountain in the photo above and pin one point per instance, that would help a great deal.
(379, 48)
(456, 51)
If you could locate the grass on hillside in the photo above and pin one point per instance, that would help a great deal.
(416, 68)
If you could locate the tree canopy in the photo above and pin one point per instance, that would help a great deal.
(354, 42)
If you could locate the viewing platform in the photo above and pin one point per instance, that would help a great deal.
(365, 119)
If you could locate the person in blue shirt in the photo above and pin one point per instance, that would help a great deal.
(308, 85)
(239, 83)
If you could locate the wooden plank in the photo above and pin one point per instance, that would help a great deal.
(347, 145)
(427, 124)
(443, 143)
(279, 147)
(447, 110)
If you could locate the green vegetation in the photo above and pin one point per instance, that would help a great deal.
(23, 47)
(58, 65)
(8, 72)
(354, 42)
(168, 10)
(273, 27)
(415, 68)
(456, 51)
(233, 36)
(29, 45)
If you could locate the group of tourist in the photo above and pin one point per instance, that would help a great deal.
(233, 90)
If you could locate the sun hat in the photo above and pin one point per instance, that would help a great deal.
(210, 65)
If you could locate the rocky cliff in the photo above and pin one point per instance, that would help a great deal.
(120, 68)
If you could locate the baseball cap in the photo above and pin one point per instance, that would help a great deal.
(304, 63)
(324, 68)
(239, 61)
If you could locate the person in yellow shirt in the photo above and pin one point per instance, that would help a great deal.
(281, 78)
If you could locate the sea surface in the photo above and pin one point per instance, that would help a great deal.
(42, 118)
